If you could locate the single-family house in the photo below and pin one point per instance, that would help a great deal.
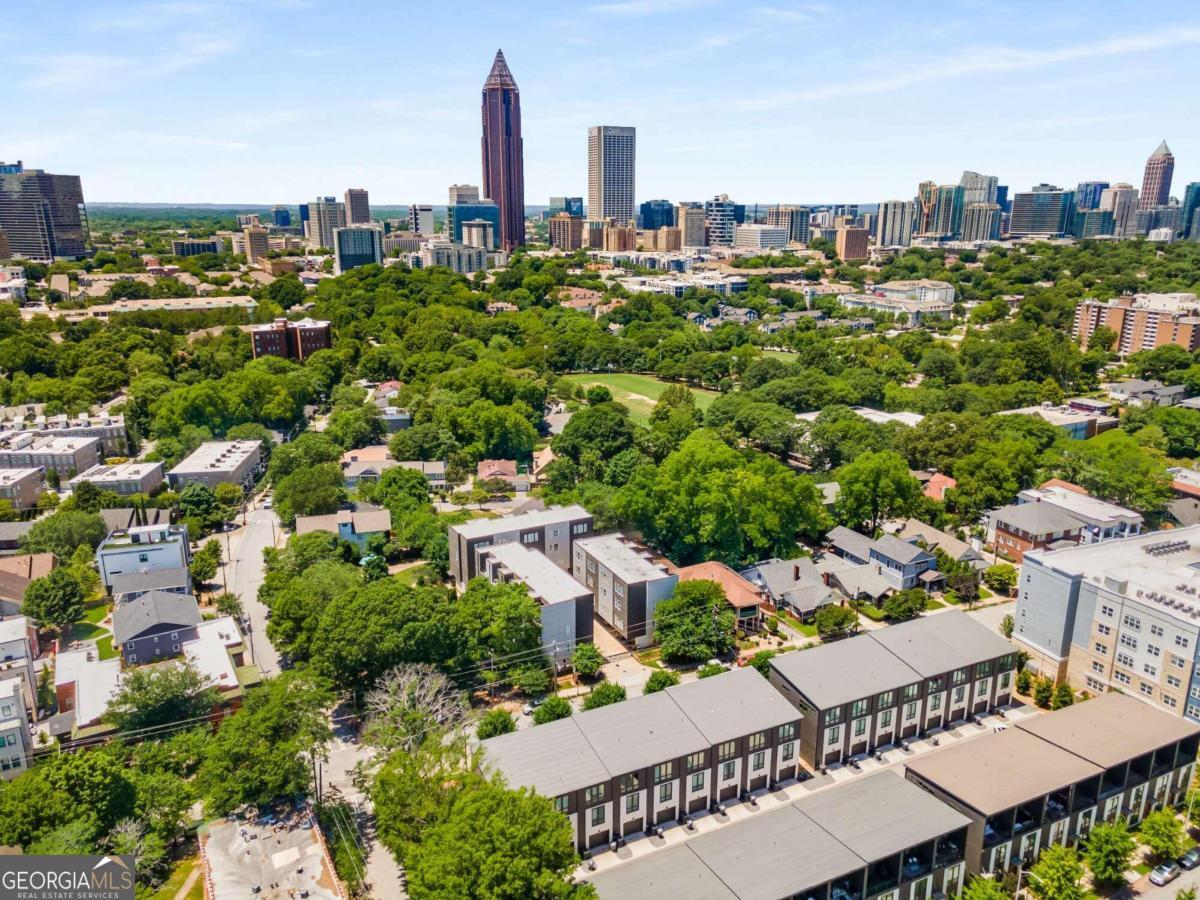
(795, 585)
(355, 525)
(914, 531)
(1015, 529)
(154, 626)
(747, 600)
(901, 564)
(505, 470)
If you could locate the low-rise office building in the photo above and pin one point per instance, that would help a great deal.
(63, 455)
(880, 688)
(144, 548)
(123, 478)
(618, 770)
(217, 462)
(21, 487)
(1049, 779)
(549, 531)
(565, 605)
(626, 583)
(876, 837)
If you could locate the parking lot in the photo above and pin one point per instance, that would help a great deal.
(269, 858)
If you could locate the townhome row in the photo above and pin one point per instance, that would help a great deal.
(878, 836)
(885, 686)
(1050, 778)
(618, 770)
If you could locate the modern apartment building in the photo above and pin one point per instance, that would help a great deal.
(420, 218)
(981, 222)
(479, 233)
(894, 223)
(626, 583)
(15, 742)
(794, 218)
(549, 531)
(1156, 178)
(760, 237)
(1049, 779)
(196, 246)
(1142, 321)
(1093, 223)
(456, 257)
(143, 548)
(63, 455)
(851, 242)
(22, 487)
(254, 243)
(358, 245)
(978, 188)
(885, 686)
(1101, 520)
(878, 836)
(565, 605)
(657, 214)
(612, 166)
(923, 290)
(42, 216)
(720, 220)
(945, 216)
(107, 428)
(325, 216)
(691, 222)
(123, 478)
(618, 770)
(214, 462)
(458, 215)
(1121, 200)
(1044, 211)
(291, 340)
(358, 206)
(503, 152)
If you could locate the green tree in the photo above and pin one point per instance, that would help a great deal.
(312, 491)
(1043, 692)
(496, 843)
(1057, 874)
(761, 661)
(587, 660)
(835, 622)
(660, 680)
(54, 600)
(1163, 833)
(1007, 625)
(63, 531)
(875, 487)
(904, 605)
(552, 709)
(1001, 578)
(158, 696)
(604, 694)
(198, 504)
(495, 722)
(708, 670)
(1063, 696)
(984, 888)
(205, 562)
(604, 428)
(1110, 847)
(696, 623)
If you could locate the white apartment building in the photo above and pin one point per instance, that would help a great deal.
(18, 649)
(420, 218)
(612, 164)
(123, 478)
(923, 290)
(14, 729)
(108, 429)
(456, 257)
(216, 462)
(143, 548)
(894, 223)
(760, 236)
(1101, 520)
(21, 487)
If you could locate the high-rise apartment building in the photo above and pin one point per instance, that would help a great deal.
(572, 206)
(463, 193)
(927, 193)
(42, 216)
(1092, 223)
(325, 216)
(947, 212)
(254, 239)
(1088, 194)
(894, 223)
(851, 242)
(1142, 321)
(978, 188)
(981, 222)
(620, 237)
(1121, 200)
(1191, 204)
(566, 231)
(356, 245)
(461, 213)
(1156, 179)
(664, 240)
(420, 218)
(504, 152)
(479, 233)
(612, 158)
(1044, 210)
(657, 214)
(794, 218)
(690, 219)
(720, 219)
(358, 207)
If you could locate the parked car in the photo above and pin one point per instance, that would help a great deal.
(268, 503)
(1164, 874)
(1190, 859)
(532, 705)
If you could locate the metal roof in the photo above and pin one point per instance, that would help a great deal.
(948, 640)
(552, 759)
(671, 872)
(847, 670)
(733, 704)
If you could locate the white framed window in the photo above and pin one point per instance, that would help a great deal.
(1121, 677)
(1150, 670)
(1104, 629)
(1153, 650)
(1147, 689)
(1132, 622)
(1156, 630)
(1169, 701)
(1106, 610)
(1097, 666)
(1181, 641)
(1128, 640)
(1172, 681)
(1124, 659)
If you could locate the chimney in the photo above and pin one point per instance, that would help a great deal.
(825, 579)
(795, 571)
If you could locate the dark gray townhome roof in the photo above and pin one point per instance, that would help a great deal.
(152, 609)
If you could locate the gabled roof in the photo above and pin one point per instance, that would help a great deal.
(1035, 518)
(915, 529)
(152, 609)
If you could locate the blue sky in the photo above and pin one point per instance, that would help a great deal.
(272, 101)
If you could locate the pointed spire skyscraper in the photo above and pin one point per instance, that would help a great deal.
(1156, 181)
(503, 152)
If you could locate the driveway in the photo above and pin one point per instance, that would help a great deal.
(244, 573)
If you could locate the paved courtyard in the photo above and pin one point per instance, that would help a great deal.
(285, 860)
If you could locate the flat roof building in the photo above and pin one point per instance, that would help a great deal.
(122, 478)
(21, 487)
(626, 582)
(64, 455)
(290, 340)
(216, 462)
(549, 531)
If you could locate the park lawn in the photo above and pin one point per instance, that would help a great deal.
(638, 392)
(787, 620)
(786, 356)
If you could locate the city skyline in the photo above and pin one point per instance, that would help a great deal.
(740, 118)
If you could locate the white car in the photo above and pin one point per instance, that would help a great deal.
(268, 503)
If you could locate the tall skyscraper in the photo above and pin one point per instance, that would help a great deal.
(420, 218)
(981, 222)
(281, 217)
(978, 188)
(657, 214)
(947, 212)
(1121, 200)
(894, 223)
(1092, 223)
(566, 231)
(254, 239)
(1044, 210)
(504, 152)
(690, 219)
(1088, 194)
(463, 193)
(794, 218)
(720, 219)
(1156, 180)
(42, 215)
(1191, 203)
(325, 216)
(612, 158)
(358, 207)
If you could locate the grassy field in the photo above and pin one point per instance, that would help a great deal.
(786, 356)
(638, 392)
(179, 874)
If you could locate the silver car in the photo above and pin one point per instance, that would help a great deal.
(1164, 874)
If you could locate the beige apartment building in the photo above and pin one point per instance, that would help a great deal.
(566, 231)
(1142, 321)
